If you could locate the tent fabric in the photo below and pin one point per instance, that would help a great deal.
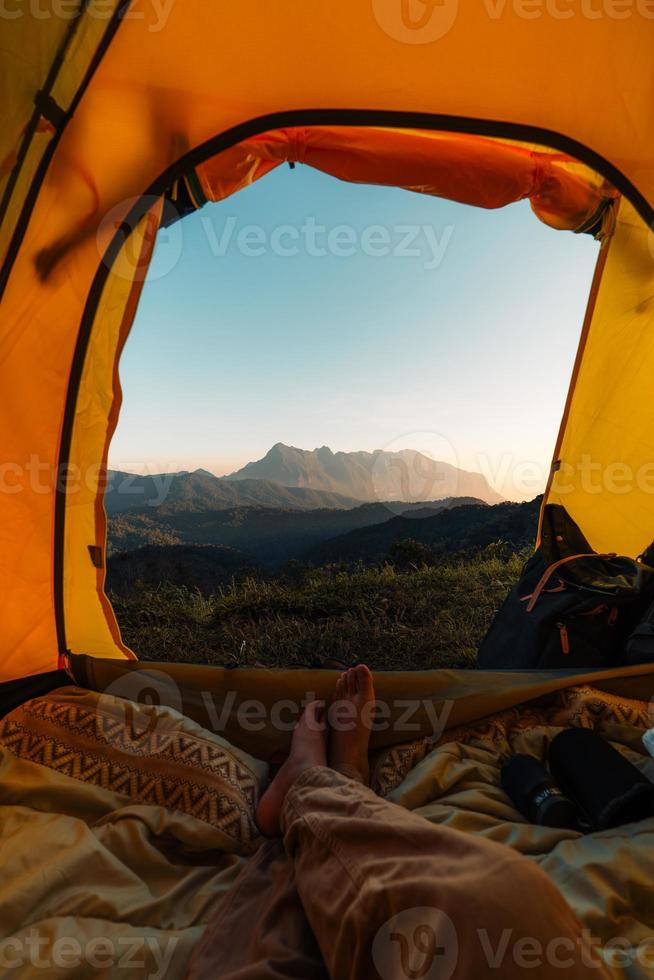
(97, 408)
(482, 172)
(177, 85)
(604, 461)
(45, 59)
(416, 703)
(472, 170)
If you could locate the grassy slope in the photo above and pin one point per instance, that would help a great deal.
(414, 619)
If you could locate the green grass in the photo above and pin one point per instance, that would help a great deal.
(415, 618)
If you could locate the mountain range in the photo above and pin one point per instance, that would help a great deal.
(299, 479)
(171, 492)
(268, 535)
(407, 475)
(465, 528)
(316, 506)
(269, 538)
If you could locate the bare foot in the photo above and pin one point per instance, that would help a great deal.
(349, 739)
(308, 749)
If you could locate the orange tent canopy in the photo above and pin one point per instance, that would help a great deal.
(485, 173)
(104, 112)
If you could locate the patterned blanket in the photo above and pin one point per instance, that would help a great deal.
(123, 824)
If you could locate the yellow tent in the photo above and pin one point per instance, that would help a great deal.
(120, 114)
(111, 106)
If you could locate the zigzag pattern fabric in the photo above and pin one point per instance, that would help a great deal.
(128, 753)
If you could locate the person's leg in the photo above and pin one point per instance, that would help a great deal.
(259, 930)
(389, 895)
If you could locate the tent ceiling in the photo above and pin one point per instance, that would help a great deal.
(185, 81)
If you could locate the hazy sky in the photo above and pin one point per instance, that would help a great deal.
(314, 312)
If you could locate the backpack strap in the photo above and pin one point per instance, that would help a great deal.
(549, 571)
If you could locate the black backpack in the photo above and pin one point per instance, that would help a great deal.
(571, 608)
(639, 646)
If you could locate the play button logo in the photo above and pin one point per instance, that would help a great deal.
(416, 21)
(416, 944)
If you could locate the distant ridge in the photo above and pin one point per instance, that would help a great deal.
(406, 475)
(463, 528)
(201, 490)
(264, 534)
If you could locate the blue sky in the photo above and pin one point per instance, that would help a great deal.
(314, 312)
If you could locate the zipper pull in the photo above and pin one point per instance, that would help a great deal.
(565, 639)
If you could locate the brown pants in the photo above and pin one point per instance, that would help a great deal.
(363, 889)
